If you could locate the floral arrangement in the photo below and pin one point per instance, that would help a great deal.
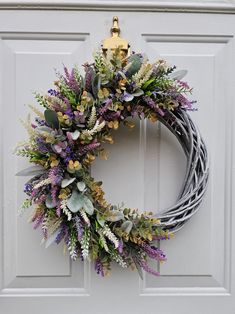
(80, 114)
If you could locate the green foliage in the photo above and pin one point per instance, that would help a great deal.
(51, 118)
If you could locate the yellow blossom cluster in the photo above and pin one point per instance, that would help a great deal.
(64, 118)
(98, 194)
(74, 166)
(64, 193)
(89, 158)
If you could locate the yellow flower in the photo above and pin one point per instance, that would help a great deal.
(53, 161)
(64, 118)
(80, 108)
(129, 124)
(85, 100)
(103, 154)
(153, 117)
(109, 139)
(64, 193)
(103, 93)
(77, 165)
(89, 158)
(113, 124)
(74, 166)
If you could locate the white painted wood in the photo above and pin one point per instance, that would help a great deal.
(145, 168)
(212, 6)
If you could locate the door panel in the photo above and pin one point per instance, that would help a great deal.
(145, 168)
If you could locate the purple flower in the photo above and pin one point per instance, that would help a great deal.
(126, 97)
(112, 115)
(28, 188)
(59, 147)
(42, 146)
(69, 155)
(105, 107)
(143, 264)
(53, 92)
(158, 238)
(120, 247)
(79, 227)
(88, 78)
(183, 84)
(54, 191)
(99, 267)
(154, 252)
(58, 209)
(40, 122)
(71, 80)
(61, 234)
(38, 221)
(69, 113)
(56, 175)
(89, 147)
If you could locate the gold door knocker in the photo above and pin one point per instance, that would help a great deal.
(115, 41)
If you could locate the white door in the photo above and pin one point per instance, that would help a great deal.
(146, 166)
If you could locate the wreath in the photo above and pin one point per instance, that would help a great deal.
(81, 114)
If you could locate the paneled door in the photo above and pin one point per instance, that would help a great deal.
(145, 168)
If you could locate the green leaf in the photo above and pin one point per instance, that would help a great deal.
(178, 75)
(100, 220)
(114, 215)
(147, 83)
(127, 226)
(67, 182)
(88, 205)
(135, 61)
(75, 135)
(49, 202)
(96, 85)
(81, 186)
(51, 118)
(31, 171)
(75, 202)
(138, 92)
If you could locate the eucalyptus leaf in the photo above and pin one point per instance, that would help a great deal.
(75, 202)
(67, 182)
(49, 202)
(52, 237)
(88, 205)
(31, 171)
(178, 75)
(128, 97)
(51, 118)
(96, 85)
(135, 61)
(127, 226)
(138, 92)
(122, 75)
(100, 220)
(81, 186)
(43, 129)
(75, 135)
(114, 215)
(89, 77)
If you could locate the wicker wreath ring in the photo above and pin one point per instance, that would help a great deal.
(80, 115)
(195, 182)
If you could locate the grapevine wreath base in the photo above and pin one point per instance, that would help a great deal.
(81, 113)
